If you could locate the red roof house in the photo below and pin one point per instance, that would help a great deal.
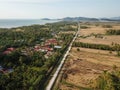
(9, 50)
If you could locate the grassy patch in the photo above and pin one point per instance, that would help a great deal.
(74, 85)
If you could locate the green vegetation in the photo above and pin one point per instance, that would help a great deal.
(113, 47)
(74, 86)
(93, 46)
(92, 34)
(113, 32)
(108, 81)
(98, 35)
(117, 48)
(24, 36)
(30, 68)
(78, 49)
(84, 27)
(107, 26)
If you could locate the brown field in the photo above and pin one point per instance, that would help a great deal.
(84, 66)
(92, 29)
(106, 39)
(98, 29)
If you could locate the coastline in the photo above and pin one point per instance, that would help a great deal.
(13, 23)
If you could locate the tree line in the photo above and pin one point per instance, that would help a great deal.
(113, 32)
(113, 47)
(93, 46)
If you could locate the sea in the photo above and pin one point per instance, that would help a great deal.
(11, 23)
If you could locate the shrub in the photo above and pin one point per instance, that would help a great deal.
(84, 27)
(78, 49)
(107, 26)
(118, 53)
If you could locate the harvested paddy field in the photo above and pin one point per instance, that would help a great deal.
(97, 35)
(107, 40)
(84, 65)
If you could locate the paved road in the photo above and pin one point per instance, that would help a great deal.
(52, 81)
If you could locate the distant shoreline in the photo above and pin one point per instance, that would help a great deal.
(13, 23)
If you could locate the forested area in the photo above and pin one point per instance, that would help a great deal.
(28, 67)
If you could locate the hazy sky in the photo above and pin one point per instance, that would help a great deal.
(58, 8)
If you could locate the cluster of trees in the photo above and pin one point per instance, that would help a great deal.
(26, 71)
(113, 32)
(23, 36)
(63, 26)
(31, 70)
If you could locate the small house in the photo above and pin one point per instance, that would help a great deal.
(51, 41)
(9, 50)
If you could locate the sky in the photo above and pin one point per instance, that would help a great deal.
(35, 9)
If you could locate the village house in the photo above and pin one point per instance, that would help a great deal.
(51, 42)
(43, 48)
(47, 47)
(9, 50)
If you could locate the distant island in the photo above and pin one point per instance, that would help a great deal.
(45, 19)
(85, 19)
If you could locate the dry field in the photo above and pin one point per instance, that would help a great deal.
(84, 66)
(106, 39)
(92, 29)
(105, 52)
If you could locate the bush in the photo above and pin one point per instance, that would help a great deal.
(107, 26)
(78, 49)
(118, 53)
